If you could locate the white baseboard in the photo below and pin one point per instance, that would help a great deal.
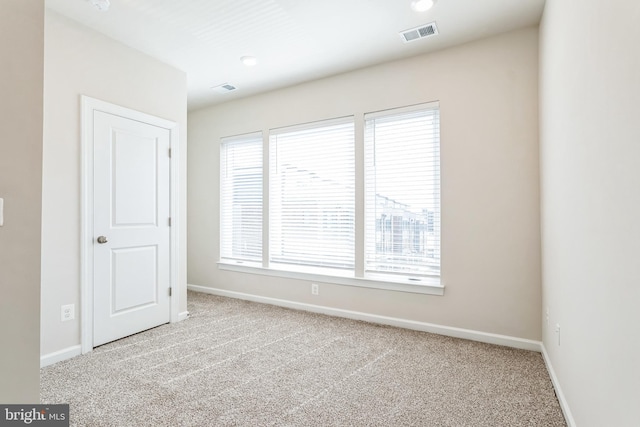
(564, 405)
(182, 316)
(485, 337)
(60, 355)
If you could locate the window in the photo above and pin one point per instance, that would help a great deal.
(402, 191)
(311, 195)
(241, 198)
(318, 175)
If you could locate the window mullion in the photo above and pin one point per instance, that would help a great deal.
(359, 246)
(265, 199)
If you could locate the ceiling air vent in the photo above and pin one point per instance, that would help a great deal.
(224, 88)
(419, 32)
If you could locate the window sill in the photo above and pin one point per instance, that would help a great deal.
(424, 285)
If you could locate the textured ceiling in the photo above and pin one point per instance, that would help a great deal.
(294, 40)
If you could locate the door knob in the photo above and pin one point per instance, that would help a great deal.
(102, 240)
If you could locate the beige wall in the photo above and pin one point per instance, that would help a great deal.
(590, 171)
(490, 213)
(21, 79)
(79, 61)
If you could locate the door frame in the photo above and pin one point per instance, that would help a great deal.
(88, 106)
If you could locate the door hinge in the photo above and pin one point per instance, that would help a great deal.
(169, 152)
(170, 291)
(169, 221)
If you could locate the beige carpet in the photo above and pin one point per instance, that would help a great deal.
(237, 363)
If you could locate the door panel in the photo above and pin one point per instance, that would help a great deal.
(134, 200)
(134, 278)
(131, 210)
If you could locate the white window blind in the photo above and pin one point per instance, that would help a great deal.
(311, 194)
(241, 197)
(402, 191)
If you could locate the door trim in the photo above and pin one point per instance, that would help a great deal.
(88, 106)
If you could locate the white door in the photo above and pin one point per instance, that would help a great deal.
(131, 226)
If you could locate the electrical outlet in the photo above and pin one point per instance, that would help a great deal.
(315, 289)
(558, 332)
(547, 316)
(67, 312)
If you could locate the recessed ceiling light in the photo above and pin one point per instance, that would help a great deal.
(249, 61)
(422, 5)
(101, 5)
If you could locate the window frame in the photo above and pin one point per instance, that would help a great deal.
(431, 213)
(418, 284)
(339, 134)
(247, 138)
